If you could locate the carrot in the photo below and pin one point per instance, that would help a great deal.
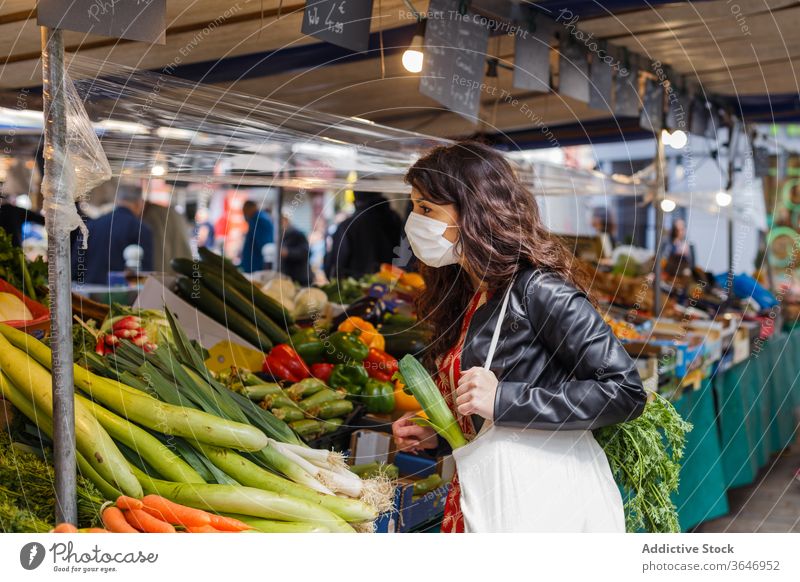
(125, 502)
(174, 513)
(64, 528)
(223, 523)
(203, 529)
(114, 520)
(145, 522)
(93, 530)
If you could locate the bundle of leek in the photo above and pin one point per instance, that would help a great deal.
(416, 378)
(176, 373)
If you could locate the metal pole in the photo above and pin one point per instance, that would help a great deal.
(277, 212)
(660, 190)
(729, 211)
(59, 276)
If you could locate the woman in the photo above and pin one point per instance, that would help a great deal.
(558, 370)
(679, 253)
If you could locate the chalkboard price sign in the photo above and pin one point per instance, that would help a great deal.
(130, 19)
(344, 23)
(455, 58)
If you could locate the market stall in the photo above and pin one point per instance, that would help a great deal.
(225, 402)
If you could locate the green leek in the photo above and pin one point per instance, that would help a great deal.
(417, 379)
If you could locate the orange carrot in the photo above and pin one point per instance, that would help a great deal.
(125, 502)
(223, 523)
(145, 522)
(115, 521)
(203, 529)
(93, 530)
(64, 528)
(174, 513)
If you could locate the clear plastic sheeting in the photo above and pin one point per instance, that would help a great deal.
(197, 131)
(83, 162)
(202, 133)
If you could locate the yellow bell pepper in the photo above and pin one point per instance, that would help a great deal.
(368, 334)
(413, 281)
(405, 402)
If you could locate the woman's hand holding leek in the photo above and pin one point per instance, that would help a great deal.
(410, 437)
(476, 393)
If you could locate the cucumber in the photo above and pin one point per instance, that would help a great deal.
(278, 401)
(186, 267)
(264, 302)
(315, 400)
(196, 293)
(307, 428)
(258, 392)
(332, 425)
(428, 484)
(331, 409)
(217, 264)
(232, 297)
(288, 413)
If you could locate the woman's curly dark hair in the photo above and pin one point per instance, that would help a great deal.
(500, 233)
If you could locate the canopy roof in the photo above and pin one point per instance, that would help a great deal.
(744, 51)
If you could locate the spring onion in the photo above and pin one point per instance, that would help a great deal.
(251, 475)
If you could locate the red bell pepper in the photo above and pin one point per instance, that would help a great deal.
(285, 364)
(322, 371)
(380, 365)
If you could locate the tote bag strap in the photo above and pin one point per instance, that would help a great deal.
(496, 336)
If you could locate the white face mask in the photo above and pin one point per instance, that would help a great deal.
(425, 236)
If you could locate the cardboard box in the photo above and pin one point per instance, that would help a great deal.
(741, 345)
(228, 349)
(367, 446)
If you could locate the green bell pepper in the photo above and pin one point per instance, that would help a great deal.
(349, 376)
(345, 346)
(307, 344)
(378, 396)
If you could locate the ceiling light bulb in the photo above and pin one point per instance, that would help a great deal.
(678, 139)
(723, 198)
(158, 170)
(413, 57)
(668, 205)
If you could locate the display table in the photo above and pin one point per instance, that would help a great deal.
(701, 495)
(741, 417)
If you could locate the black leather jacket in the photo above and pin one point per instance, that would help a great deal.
(559, 364)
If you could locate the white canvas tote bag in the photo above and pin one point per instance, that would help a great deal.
(526, 480)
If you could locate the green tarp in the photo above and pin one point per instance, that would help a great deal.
(701, 494)
(741, 417)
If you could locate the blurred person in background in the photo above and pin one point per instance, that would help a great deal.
(678, 252)
(366, 239)
(260, 232)
(294, 253)
(170, 235)
(203, 229)
(109, 236)
(13, 219)
(603, 225)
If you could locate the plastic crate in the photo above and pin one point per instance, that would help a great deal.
(40, 324)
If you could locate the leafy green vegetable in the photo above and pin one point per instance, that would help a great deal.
(27, 497)
(27, 276)
(344, 291)
(644, 455)
(83, 341)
